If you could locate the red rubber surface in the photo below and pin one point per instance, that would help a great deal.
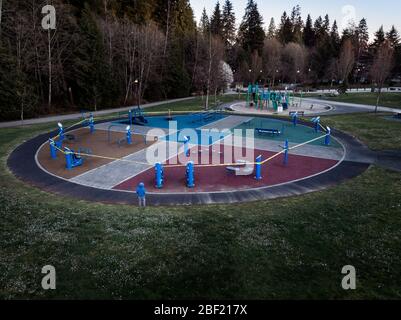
(212, 179)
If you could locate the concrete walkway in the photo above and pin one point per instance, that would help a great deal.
(74, 116)
(346, 107)
(116, 172)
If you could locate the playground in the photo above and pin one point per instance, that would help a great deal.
(263, 101)
(203, 157)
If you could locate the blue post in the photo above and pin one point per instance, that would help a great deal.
(159, 175)
(130, 117)
(295, 119)
(68, 158)
(53, 150)
(129, 138)
(286, 148)
(91, 123)
(327, 139)
(259, 168)
(186, 146)
(190, 175)
(61, 135)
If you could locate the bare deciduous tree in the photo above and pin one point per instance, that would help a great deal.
(294, 61)
(345, 63)
(381, 69)
(272, 59)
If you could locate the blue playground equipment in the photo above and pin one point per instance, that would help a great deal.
(61, 136)
(136, 116)
(53, 150)
(159, 170)
(286, 148)
(72, 159)
(294, 117)
(190, 175)
(316, 122)
(129, 135)
(327, 139)
(91, 123)
(186, 146)
(259, 168)
(252, 96)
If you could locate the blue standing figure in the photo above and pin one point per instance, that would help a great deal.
(141, 193)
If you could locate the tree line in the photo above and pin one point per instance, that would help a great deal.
(108, 53)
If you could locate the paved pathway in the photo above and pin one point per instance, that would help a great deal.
(345, 107)
(79, 115)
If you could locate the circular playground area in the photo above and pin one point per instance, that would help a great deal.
(207, 157)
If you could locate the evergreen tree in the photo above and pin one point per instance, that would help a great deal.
(320, 30)
(297, 24)
(204, 25)
(94, 85)
(309, 33)
(363, 35)
(216, 21)
(229, 28)
(393, 37)
(271, 31)
(251, 29)
(285, 32)
(17, 98)
(335, 39)
(379, 39)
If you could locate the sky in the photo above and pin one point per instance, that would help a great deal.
(377, 12)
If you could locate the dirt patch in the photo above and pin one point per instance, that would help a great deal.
(98, 143)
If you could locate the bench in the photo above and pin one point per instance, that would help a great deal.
(268, 131)
(300, 113)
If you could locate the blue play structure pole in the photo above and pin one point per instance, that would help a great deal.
(159, 175)
(91, 123)
(129, 138)
(190, 175)
(53, 150)
(259, 168)
(327, 139)
(186, 146)
(130, 117)
(295, 119)
(286, 148)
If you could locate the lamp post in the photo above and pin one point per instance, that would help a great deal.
(136, 83)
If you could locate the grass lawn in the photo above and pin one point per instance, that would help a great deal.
(391, 100)
(372, 129)
(196, 104)
(287, 248)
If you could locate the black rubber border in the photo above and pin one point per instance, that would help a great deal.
(23, 165)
